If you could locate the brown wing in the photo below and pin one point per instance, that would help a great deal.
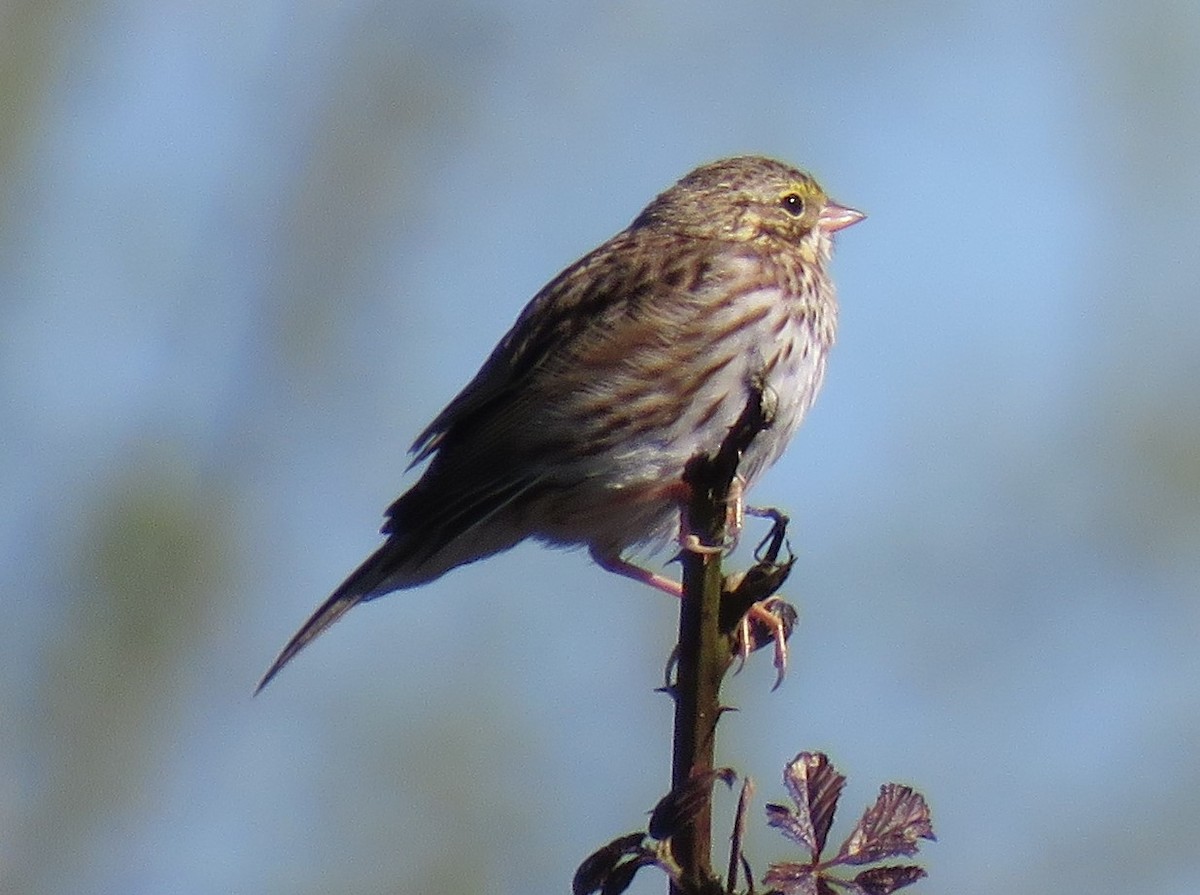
(491, 446)
(588, 296)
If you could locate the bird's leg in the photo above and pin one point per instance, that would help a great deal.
(612, 562)
(734, 520)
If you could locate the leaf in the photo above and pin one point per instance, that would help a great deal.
(676, 809)
(791, 879)
(885, 880)
(890, 827)
(815, 786)
(622, 875)
(600, 865)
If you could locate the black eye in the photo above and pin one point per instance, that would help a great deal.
(793, 204)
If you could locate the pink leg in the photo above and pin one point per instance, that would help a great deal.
(735, 518)
(612, 563)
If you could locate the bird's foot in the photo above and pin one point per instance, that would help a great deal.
(750, 610)
(770, 619)
(691, 543)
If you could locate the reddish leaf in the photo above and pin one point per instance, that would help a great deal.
(815, 786)
(885, 880)
(792, 827)
(791, 879)
(889, 828)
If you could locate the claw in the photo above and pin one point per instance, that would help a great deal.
(692, 544)
(768, 549)
(742, 639)
(773, 617)
(751, 612)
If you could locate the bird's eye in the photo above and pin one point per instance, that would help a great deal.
(793, 204)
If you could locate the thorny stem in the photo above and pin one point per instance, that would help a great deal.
(704, 652)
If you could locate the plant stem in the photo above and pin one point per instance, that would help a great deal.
(704, 652)
(703, 657)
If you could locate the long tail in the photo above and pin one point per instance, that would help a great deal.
(432, 528)
(364, 583)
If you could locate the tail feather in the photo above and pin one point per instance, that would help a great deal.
(430, 531)
(364, 583)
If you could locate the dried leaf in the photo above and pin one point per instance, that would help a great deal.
(885, 880)
(597, 867)
(890, 827)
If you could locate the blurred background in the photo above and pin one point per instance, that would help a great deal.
(247, 251)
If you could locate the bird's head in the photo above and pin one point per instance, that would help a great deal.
(750, 199)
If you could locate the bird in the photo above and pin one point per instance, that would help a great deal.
(576, 429)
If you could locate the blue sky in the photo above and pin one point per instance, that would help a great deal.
(247, 252)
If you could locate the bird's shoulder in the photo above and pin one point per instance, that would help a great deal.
(634, 270)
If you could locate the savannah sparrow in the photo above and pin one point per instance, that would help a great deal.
(635, 358)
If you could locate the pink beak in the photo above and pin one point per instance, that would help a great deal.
(836, 217)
